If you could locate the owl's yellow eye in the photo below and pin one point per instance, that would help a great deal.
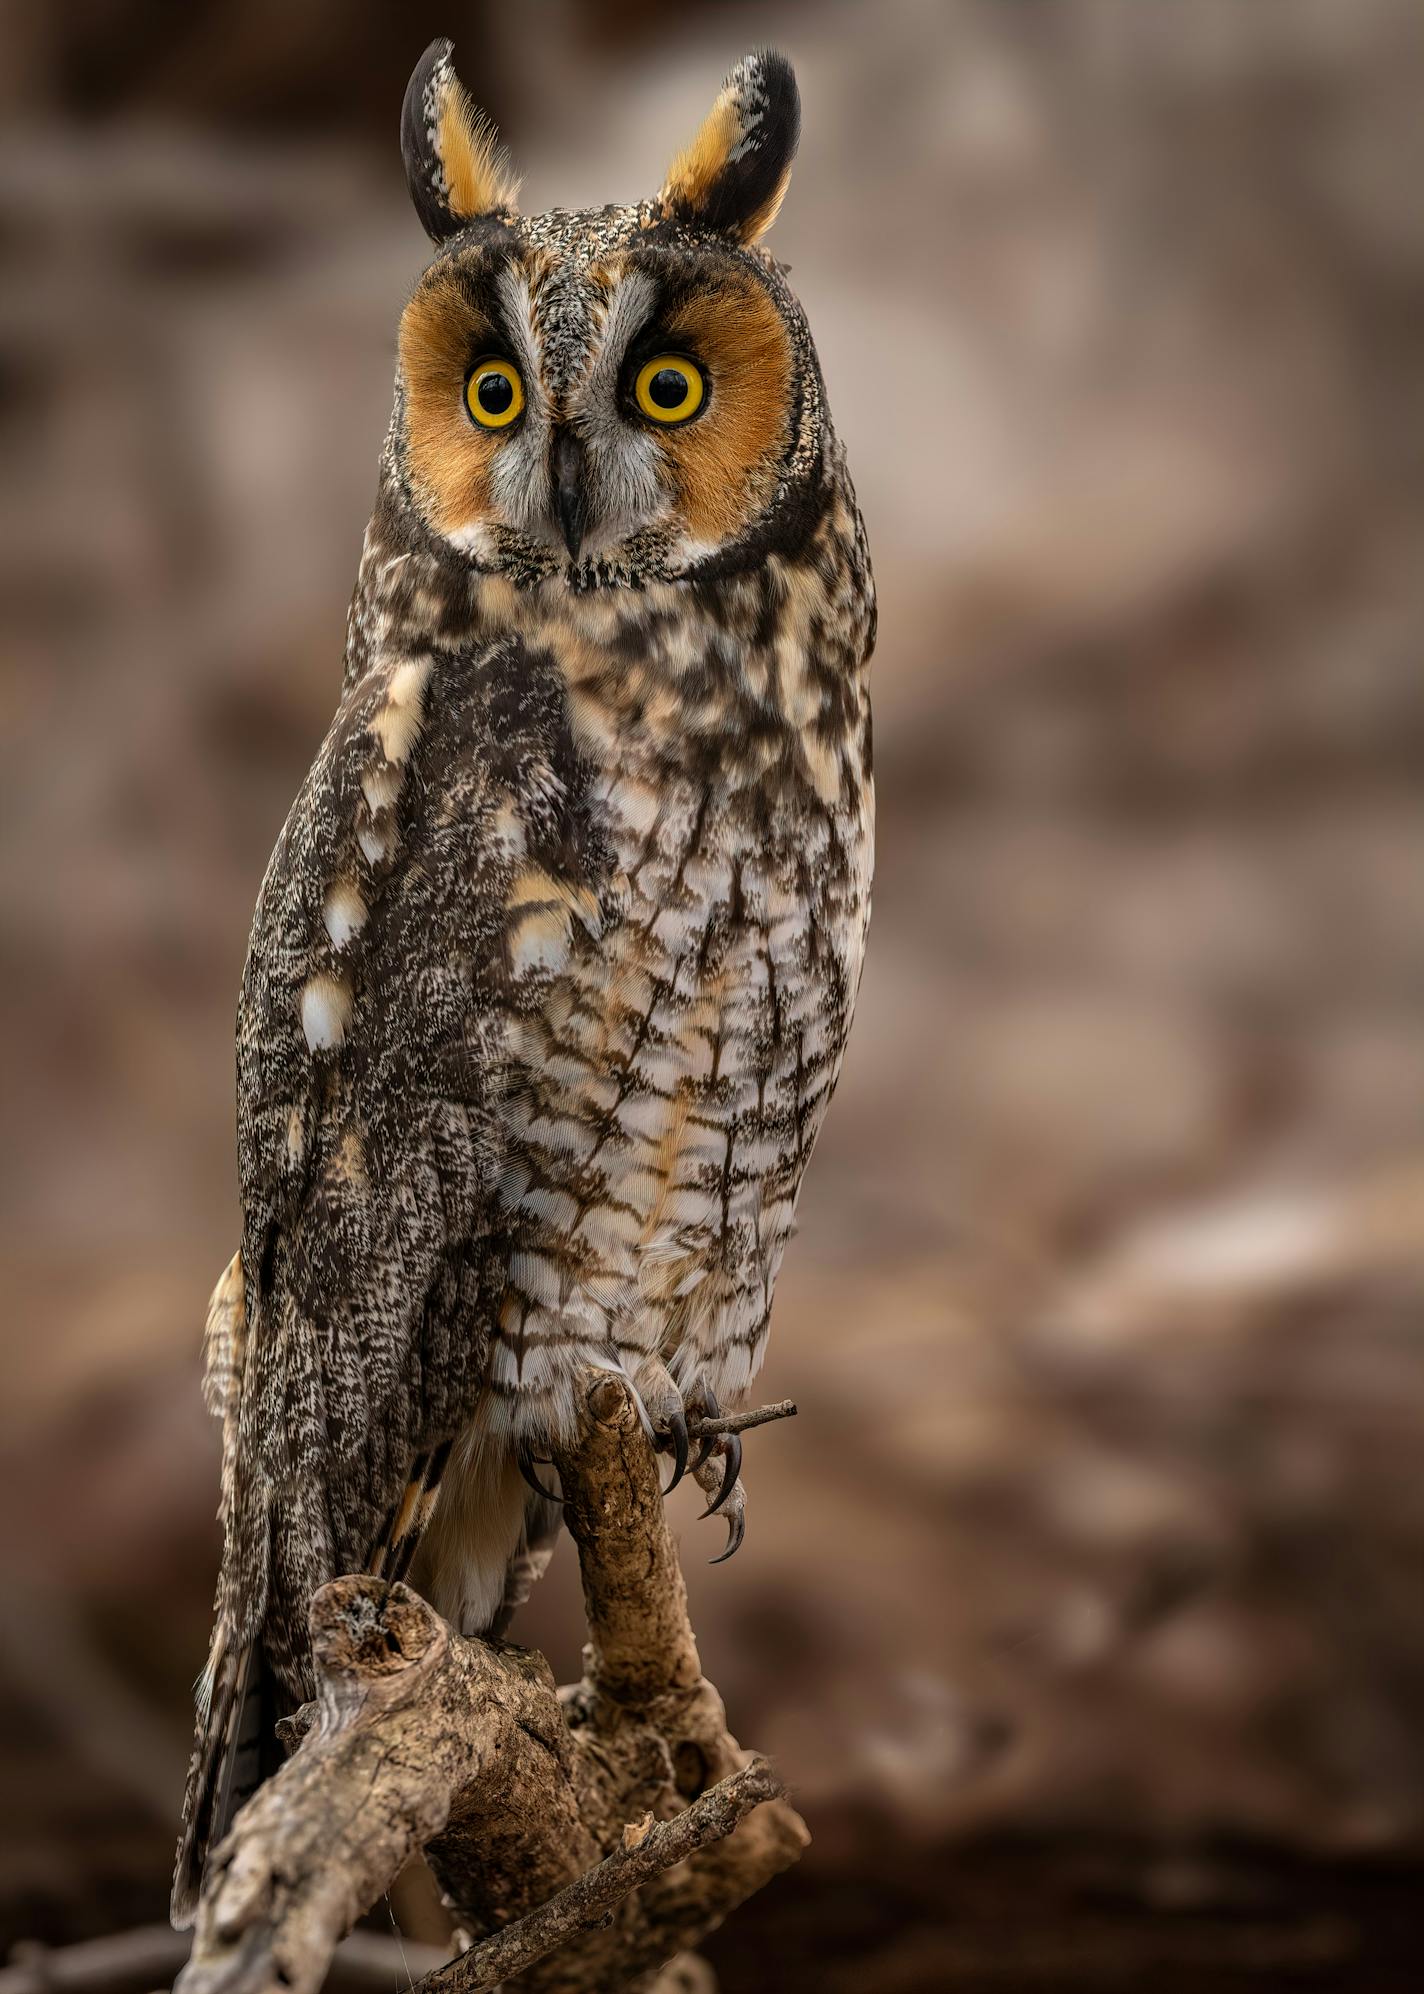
(494, 393)
(669, 388)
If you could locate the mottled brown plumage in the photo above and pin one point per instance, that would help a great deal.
(553, 966)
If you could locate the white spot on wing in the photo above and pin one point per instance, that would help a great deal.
(344, 913)
(508, 830)
(326, 1011)
(399, 721)
(380, 787)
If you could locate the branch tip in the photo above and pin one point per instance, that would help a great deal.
(611, 1402)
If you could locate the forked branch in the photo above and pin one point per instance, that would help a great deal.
(645, 1851)
(585, 1837)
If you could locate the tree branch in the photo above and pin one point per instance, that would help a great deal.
(520, 1795)
(645, 1851)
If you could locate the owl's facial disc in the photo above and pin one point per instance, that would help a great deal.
(559, 405)
(616, 392)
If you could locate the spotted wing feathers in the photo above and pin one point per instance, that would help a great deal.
(347, 1343)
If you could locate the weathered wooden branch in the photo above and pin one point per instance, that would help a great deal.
(584, 1836)
(647, 1849)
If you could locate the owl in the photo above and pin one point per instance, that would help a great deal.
(552, 968)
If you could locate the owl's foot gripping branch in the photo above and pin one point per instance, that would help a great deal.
(589, 1835)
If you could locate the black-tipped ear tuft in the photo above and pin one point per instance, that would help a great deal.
(736, 171)
(454, 163)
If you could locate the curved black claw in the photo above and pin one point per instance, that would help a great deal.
(736, 1531)
(524, 1461)
(675, 1439)
(729, 1482)
(710, 1410)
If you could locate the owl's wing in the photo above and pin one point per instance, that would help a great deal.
(348, 1341)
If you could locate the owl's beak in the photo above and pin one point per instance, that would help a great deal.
(570, 498)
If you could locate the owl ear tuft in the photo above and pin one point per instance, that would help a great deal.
(736, 171)
(454, 163)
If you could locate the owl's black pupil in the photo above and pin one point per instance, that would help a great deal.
(495, 393)
(668, 387)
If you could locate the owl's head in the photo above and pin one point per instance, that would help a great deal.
(612, 395)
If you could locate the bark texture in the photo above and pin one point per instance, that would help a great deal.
(586, 1836)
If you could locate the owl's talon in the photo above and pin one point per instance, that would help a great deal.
(721, 1480)
(707, 1408)
(524, 1461)
(736, 1533)
(675, 1440)
(730, 1449)
(664, 1414)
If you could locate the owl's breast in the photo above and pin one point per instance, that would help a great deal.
(673, 1070)
(674, 1041)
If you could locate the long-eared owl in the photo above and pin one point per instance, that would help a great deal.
(552, 968)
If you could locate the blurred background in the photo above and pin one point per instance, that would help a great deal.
(1084, 1602)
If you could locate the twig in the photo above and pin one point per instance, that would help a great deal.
(741, 1422)
(648, 1848)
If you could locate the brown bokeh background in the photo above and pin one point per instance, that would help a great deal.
(1083, 1603)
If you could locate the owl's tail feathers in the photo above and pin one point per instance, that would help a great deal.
(234, 1751)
